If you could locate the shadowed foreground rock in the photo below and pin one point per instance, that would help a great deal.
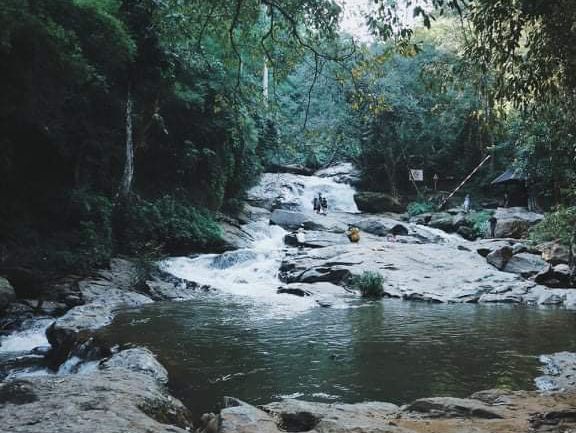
(493, 411)
(125, 395)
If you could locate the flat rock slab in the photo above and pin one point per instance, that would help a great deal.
(430, 272)
(448, 407)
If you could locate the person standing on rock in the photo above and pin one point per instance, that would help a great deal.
(467, 203)
(493, 221)
(316, 203)
(324, 204)
(301, 237)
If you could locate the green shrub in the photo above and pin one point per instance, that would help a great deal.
(479, 221)
(369, 284)
(166, 225)
(556, 225)
(420, 207)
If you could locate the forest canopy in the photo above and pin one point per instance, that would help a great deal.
(130, 126)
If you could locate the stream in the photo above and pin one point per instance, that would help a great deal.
(242, 339)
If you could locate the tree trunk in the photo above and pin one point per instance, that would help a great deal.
(128, 174)
(265, 82)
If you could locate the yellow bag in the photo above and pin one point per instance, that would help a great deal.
(354, 235)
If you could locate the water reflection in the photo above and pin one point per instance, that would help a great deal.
(389, 351)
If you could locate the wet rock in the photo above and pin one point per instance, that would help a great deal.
(450, 407)
(525, 264)
(47, 308)
(140, 360)
(559, 372)
(75, 328)
(316, 239)
(515, 222)
(297, 291)
(7, 293)
(500, 257)
(175, 291)
(377, 202)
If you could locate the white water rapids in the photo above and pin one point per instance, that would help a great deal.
(252, 273)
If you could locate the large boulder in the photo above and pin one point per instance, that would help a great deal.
(341, 173)
(555, 276)
(376, 202)
(515, 222)
(525, 264)
(103, 401)
(443, 221)
(382, 227)
(500, 257)
(289, 220)
(7, 293)
(139, 360)
(316, 239)
(554, 252)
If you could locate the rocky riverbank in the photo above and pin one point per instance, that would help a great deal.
(124, 389)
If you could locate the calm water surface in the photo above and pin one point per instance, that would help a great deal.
(393, 351)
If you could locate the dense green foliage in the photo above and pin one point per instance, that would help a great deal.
(79, 77)
(558, 225)
(369, 284)
(126, 125)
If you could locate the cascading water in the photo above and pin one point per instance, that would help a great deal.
(297, 192)
(252, 273)
(31, 335)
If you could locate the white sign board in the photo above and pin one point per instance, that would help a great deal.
(417, 175)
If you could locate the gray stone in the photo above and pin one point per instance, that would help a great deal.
(103, 401)
(377, 202)
(140, 360)
(555, 276)
(442, 221)
(500, 257)
(382, 227)
(467, 232)
(515, 222)
(240, 417)
(301, 416)
(450, 407)
(292, 220)
(525, 264)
